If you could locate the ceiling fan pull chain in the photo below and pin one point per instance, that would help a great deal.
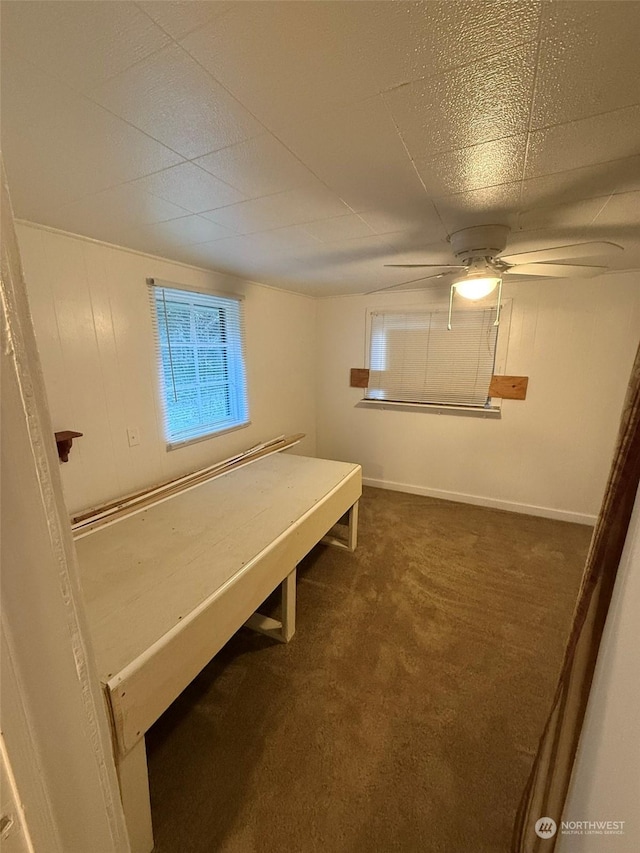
(497, 322)
(450, 306)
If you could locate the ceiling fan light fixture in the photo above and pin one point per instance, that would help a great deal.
(476, 287)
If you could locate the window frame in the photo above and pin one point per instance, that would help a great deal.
(237, 348)
(493, 409)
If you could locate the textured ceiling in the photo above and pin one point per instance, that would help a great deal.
(306, 144)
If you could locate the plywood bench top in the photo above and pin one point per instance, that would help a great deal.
(145, 573)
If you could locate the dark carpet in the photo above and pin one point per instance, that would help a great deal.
(404, 714)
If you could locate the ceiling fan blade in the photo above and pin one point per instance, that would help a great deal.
(561, 253)
(557, 270)
(436, 266)
(405, 283)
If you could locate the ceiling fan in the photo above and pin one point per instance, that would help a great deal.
(481, 265)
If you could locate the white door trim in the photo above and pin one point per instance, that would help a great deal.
(55, 727)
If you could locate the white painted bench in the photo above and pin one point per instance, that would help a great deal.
(166, 588)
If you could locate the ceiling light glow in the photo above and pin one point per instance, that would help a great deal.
(476, 288)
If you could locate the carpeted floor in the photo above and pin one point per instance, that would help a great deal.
(405, 712)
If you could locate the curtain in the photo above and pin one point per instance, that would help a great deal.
(548, 783)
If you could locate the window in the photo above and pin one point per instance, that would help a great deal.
(414, 358)
(200, 350)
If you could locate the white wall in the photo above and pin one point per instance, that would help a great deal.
(93, 327)
(606, 777)
(549, 454)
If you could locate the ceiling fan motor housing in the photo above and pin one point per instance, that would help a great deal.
(479, 242)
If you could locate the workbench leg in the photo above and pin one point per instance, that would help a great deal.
(288, 616)
(353, 526)
(134, 793)
(284, 628)
(352, 536)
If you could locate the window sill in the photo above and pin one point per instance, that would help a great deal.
(176, 445)
(465, 411)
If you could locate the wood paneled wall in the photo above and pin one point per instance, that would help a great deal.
(94, 332)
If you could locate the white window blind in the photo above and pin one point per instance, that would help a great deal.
(200, 350)
(414, 358)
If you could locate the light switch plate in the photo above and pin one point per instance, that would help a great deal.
(133, 434)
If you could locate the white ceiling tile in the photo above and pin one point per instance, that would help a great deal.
(345, 51)
(80, 42)
(584, 143)
(177, 232)
(257, 167)
(487, 206)
(416, 249)
(621, 209)
(191, 229)
(480, 102)
(266, 245)
(180, 18)
(338, 228)
(360, 276)
(579, 214)
(577, 184)
(189, 187)
(287, 240)
(173, 99)
(423, 219)
(110, 215)
(59, 146)
(399, 42)
(282, 58)
(372, 248)
(489, 164)
(381, 175)
(314, 74)
(589, 61)
(293, 207)
(245, 256)
(198, 255)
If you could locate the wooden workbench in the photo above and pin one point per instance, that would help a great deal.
(166, 588)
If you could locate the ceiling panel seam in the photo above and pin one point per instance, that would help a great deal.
(266, 127)
(428, 196)
(189, 32)
(532, 98)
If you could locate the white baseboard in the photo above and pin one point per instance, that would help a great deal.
(477, 500)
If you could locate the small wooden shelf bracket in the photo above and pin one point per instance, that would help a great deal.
(64, 440)
(509, 387)
(359, 377)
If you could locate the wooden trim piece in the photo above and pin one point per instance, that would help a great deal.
(109, 512)
(359, 377)
(509, 387)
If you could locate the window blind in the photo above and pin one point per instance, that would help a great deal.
(414, 358)
(200, 351)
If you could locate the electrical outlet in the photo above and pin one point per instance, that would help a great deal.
(133, 434)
